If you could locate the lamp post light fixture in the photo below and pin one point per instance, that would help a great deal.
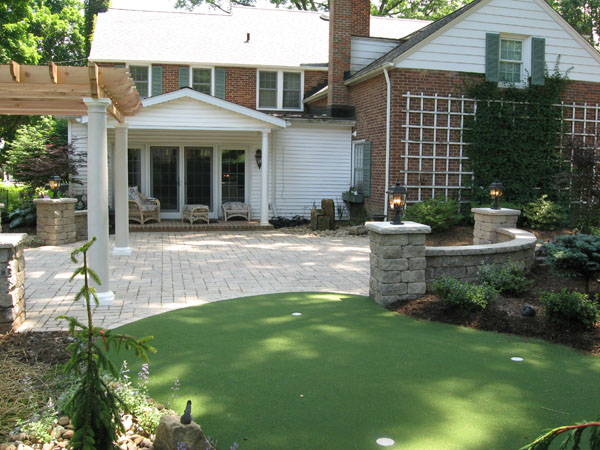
(496, 190)
(397, 201)
(54, 183)
(258, 157)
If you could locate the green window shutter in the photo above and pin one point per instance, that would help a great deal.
(492, 57)
(220, 82)
(119, 66)
(184, 77)
(538, 61)
(367, 168)
(157, 80)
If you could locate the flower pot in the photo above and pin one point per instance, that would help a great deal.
(353, 198)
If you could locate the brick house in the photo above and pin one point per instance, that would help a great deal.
(323, 102)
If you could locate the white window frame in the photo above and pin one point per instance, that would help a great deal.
(525, 58)
(279, 106)
(353, 161)
(148, 66)
(212, 78)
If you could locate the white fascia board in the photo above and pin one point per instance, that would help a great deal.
(214, 101)
(569, 29)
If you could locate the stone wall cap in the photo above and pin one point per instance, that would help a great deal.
(407, 227)
(54, 200)
(11, 240)
(80, 212)
(496, 212)
(522, 240)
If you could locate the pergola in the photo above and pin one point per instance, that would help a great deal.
(84, 91)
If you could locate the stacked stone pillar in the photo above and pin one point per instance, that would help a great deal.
(397, 261)
(487, 220)
(12, 281)
(56, 220)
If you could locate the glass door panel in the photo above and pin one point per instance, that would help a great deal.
(164, 173)
(233, 176)
(198, 176)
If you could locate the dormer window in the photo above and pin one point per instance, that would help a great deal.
(511, 60)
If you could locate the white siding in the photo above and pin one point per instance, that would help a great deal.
(191, 114)
(462, 47)
(311, 163)
(366, 50)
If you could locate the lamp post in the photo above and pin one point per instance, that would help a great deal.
(258, 157)
(496, 190)
(397, 201)
(54, 183)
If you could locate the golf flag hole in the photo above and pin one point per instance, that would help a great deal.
(516, 359)
(385, 442)
(296, 314)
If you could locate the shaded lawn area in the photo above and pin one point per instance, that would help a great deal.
(347, 372)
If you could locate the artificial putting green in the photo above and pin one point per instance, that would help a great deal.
(347, 372)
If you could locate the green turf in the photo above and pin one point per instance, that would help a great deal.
(347, 372)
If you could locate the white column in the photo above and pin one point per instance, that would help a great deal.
(97, 187)
(121, 247)
(264, 185)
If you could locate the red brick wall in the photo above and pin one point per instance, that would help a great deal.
(369, 99)
(361, 17)
(240, 86)
(312, 78)
(170, 78)
(340, 29)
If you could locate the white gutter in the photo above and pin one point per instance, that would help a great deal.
(388, 115)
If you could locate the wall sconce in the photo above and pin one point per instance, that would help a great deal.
(496, 190)
(258, 157)
(397, 200)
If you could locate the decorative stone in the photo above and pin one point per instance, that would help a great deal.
(171, 432)
(528, 311)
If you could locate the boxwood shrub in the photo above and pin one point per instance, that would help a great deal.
(505, 278)
(440, 214)
(464, 297)
(570, 309)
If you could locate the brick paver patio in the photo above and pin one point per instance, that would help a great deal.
(174, 270)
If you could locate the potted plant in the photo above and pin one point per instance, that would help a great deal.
(353, 196)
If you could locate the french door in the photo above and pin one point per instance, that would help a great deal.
(164, 177)
(198, 176)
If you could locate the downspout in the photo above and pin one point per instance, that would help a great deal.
(388, 115)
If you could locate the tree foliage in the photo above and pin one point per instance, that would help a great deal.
(40, 151)
(583, 15)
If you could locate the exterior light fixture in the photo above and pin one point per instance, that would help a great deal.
(496, 190)
(54, 183)
(258, 157)
(397, 201)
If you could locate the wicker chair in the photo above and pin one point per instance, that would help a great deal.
(142, 208)
(235, 209)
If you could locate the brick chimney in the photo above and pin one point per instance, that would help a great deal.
(347, 18)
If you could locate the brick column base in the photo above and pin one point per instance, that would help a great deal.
(487, 220)
(12, 281)
(56, 220)
(397, 261)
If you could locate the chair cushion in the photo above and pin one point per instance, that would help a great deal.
(237, 206)
(194, 207)
(134, 194)
(147, 207)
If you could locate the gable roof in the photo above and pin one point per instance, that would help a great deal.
(429, 32)
(278, 37)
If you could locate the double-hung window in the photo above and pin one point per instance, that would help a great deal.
(358, 166)
(201, 80)
(279, 90)
(511, 60)
(141, 79)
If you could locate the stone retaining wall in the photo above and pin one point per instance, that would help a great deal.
(81, 225)
(12, 281)
(462, 262)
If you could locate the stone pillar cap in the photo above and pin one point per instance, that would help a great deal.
(496, 212)
(54, 200)
(10, 240)
(407, 227)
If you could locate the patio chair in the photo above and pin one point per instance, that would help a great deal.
(235, 209)
(142, 208)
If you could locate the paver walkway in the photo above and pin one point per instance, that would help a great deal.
(174, 270)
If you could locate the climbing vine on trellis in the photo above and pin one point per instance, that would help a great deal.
(514, 137)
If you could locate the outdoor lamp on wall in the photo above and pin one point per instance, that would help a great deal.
(496, 189)
(397, 201)
(258, 157)
(54, 183)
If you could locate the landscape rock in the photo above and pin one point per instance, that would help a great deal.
(171, 432)
(63, 421)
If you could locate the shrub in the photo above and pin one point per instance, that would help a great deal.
(505, 278)
(440, 214)
(544, 214)
(573, 255)
(570, 309)
(465, 297)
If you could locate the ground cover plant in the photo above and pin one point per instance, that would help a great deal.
(346, 372)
